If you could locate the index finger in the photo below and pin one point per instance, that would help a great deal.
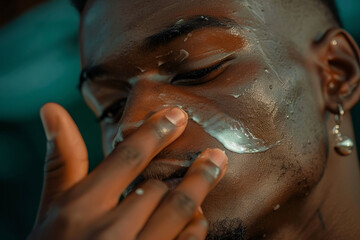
(129, 159)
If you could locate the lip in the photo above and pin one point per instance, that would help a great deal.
(169, 171)
(172, 161)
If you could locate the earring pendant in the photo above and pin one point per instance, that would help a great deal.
(343, 145)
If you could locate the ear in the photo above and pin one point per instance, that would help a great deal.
(338, 60)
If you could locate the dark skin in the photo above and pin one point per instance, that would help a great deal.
(281, 83)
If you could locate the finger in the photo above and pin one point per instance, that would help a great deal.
(179, 206)
(66, 161)
(196, 229)
(128, 160)
(127, 219)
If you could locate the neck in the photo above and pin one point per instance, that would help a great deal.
(333, 207)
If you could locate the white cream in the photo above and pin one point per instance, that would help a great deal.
(228, 131)
(119, 135)
(231, 133)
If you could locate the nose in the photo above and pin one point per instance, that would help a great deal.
(143, 101)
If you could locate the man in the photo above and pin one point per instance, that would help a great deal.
(260, 80)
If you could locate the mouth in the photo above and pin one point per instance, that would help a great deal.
(169, 171)
(168, 166)
(175, 178)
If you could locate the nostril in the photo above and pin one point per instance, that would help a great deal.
(124, 131)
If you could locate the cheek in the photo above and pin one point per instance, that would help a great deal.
(305, 134)
(292, 114)
(280, 102)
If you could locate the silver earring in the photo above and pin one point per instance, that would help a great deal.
(343, 145)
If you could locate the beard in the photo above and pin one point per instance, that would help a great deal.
(227, 229)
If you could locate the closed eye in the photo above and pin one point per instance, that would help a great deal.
(199, 76)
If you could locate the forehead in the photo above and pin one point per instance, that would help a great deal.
(118, 26)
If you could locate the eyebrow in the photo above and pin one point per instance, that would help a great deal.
(185, 26)
(165, 36)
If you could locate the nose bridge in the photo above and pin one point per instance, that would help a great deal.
(143, 101)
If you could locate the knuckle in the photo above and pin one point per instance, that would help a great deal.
(111, 233)
(183, 204)
(209, 171)
(129, 155)
(68, 217)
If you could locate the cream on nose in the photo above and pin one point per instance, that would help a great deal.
(125, 130)
(143, 101)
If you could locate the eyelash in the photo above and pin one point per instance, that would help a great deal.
(118, 106)
(184, 78)
(114, 109)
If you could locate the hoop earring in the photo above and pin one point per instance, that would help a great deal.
(343, 145)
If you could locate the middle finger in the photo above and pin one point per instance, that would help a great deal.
(179, 206)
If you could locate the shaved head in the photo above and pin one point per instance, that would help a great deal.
(80, 5)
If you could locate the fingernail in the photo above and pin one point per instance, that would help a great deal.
(218, 157)
(200, 210)
(49, 123)
(176, 116)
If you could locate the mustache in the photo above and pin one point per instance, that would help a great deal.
(150, 173)
(177, 154)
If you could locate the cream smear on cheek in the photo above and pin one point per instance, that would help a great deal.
(231, 133)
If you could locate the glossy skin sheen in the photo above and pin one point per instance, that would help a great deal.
(277, 73)
(269, 82)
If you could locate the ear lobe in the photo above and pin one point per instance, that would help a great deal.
(339, 65)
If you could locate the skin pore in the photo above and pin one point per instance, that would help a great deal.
(266, 68)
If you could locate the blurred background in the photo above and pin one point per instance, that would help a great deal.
(39, 62)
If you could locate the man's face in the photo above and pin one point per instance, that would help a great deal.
(240, 66)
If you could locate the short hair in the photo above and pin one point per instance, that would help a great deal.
(331, 4)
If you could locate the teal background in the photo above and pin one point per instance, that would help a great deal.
(39, 62)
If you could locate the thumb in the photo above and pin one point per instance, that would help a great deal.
(66, 161)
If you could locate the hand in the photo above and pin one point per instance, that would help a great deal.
(78, 205)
